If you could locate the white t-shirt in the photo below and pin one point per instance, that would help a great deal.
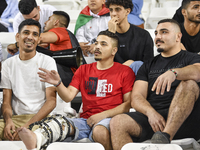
(21, 76)
(45, 12)
(92, 28)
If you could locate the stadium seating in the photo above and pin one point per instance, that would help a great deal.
(75, 146)
(149, 146)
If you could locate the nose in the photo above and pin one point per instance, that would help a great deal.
(157, 37)
(113, 13)
(30, 36)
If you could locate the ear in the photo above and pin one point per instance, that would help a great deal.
(39, 40)
(183, 11)
(56, 22)
(114, 51)
(17, 37)
(38, 7)
(103, 1)
(128, 10)
(178, 37)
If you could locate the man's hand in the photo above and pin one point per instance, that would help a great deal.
(44, 45)
(85, 48)
(91, 49)
(51, 77)
(112, 25)
(12, 49)
(94, 119)
(9, 130)
(156, 121)
(163, 81)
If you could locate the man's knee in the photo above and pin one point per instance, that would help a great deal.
(119, 121)
(189, 86)
(100, 133)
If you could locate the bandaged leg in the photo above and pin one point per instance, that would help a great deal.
(52, 129)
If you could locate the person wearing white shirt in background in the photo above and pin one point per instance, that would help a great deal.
(9, 14)
(29, 10)
(92, 19)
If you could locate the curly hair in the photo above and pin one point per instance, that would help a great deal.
(125, 3)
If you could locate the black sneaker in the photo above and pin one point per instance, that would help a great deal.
(160, 138)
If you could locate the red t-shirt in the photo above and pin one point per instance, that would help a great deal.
(102, 89)
(63, 41)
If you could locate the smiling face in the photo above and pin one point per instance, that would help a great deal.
(119, 12)
(28, 38)
(166, 36)
(104, 49)
(95, 5)
(35, 14)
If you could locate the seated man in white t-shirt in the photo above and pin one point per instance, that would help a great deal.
(29, 10)
(25, 98)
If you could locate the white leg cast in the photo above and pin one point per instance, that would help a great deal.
(52, 129)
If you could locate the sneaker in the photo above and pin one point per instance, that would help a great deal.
(160, 138)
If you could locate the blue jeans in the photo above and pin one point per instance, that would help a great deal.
(135, 66)
(83, 130)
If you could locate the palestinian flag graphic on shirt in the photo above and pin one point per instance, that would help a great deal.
(84, 16)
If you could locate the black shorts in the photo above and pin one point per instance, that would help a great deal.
(189, 129)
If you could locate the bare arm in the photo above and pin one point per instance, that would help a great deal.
(48, 37)
(190, 72)
(52, 77)
(124, 107)
(7, 114)
(140, 104)
(46, 109)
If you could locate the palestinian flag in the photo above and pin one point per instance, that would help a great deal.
(84, 17)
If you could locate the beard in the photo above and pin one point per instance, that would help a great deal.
(192, 19)
(97, 59)
(160, 50)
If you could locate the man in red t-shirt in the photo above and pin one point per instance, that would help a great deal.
(55, 32)
(105, 87)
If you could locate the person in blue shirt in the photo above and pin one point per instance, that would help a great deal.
(9, 14)
(135, 15)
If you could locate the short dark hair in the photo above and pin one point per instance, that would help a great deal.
(170, 21)
(27, 6)
(125, 3)
(66, 21)
(111, 35)
(185, 3)
(29, 22)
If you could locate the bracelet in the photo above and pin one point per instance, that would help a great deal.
(176, 74)
(16, 45)
(58, 83)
